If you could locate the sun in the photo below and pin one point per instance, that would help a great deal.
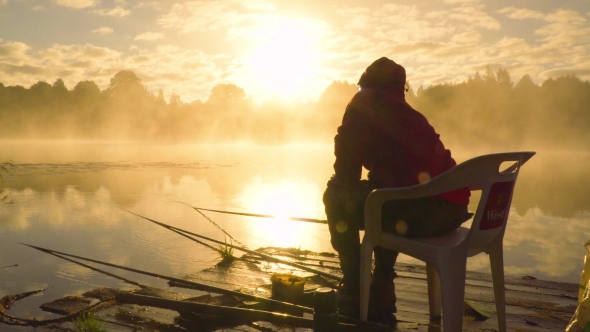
(285, 58)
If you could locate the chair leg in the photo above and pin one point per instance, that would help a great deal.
(366, 264)
(434, 291)
(497, 266)
(452, 279)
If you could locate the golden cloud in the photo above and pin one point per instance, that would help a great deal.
(467, 37)
(115, 12)
(150, 36)
(13, 49)
(77, 4)
(103, 31)
(521, 13)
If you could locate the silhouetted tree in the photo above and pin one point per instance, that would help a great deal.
(484, 110)
(41, 93)
(126, 84)
(175, 100)
(226, 95)
(86, 92)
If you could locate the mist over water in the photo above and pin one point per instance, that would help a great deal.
(128, 148)
(488, 110)
(74, 196)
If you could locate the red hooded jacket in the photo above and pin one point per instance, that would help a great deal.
(398, 146)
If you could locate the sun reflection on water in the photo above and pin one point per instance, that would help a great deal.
(283, 199)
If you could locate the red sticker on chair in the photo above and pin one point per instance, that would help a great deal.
(496, 211)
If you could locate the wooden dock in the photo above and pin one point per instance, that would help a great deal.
(531, 304)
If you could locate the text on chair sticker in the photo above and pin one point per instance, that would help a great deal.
(497, 206)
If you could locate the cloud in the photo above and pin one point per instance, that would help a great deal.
(199, 16)
(565, 28)
(191, 73)
(550, 252)
(394, 23)
(521, 13)
(416, 47)
(103, 31)
(213, 15)
(460, 1)
(149, 4)
(13, 50)
(77, 4)
(39, 8)
(115, 12)
(63, 54)
(434, 46)
(565, 16)
(473, 15)
(467, 37)
(20, 64)
(150, 36)
(258, 5)
(580, 72)
(11, 69)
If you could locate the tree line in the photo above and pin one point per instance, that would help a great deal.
(486, 109)
(491, 110)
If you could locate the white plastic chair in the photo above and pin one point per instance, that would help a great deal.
(446, 255)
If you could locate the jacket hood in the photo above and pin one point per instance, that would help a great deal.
(383, 73)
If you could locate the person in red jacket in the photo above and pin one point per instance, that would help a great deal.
(381, 132)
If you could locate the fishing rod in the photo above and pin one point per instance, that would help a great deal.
(134, 283)
(216, 225)
(288, 307)
(207, 288)
(271, 258)
(317, 221)
(345, 323)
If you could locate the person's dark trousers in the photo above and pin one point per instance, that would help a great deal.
(344, 208)
(344, 222)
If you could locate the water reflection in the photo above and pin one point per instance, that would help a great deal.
(285, 198)
(73, 201)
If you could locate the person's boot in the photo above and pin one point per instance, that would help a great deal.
(382, 299)
(349, 299)
(349, 292)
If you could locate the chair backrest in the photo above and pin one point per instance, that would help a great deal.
(481, 173)
(496, 180)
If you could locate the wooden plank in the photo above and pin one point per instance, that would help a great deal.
(508, 279)
(531, 305)
(566, 290)
(473, 278)
(239, 314)
(414, 311)
(414, 282)
(486, 294)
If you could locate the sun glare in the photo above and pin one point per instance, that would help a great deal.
(283, 199)
(285, 58)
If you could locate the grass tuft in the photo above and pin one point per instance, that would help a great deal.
(87, 322)
(226, 253)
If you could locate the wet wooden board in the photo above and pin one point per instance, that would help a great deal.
(66, 305)
(531, 304)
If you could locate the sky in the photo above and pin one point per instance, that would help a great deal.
(287, 49)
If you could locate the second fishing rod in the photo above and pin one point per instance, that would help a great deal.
(268, 257)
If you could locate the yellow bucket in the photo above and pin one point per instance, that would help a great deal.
(286, 287)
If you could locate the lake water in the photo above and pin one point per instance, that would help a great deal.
(72, 197)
